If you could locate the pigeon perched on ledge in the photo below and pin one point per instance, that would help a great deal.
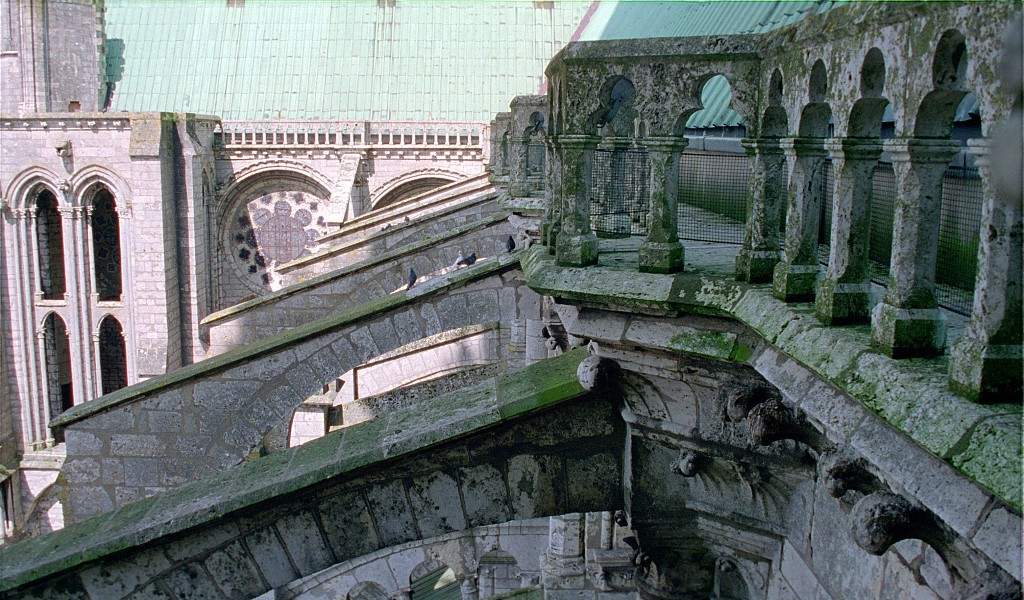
(510, 245)
(412, 278)
(465, 262)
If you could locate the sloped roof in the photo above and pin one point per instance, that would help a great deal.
(628, 19)
(440, 60)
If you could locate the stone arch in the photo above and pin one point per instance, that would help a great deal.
(49, 245)
(410, 184)
(113, 355)
(105, 229)
(92, 177)
(23, 187)
(432, 578)
(367, 590)
(270, 213)
(866, 114)
(57, 365)
(937, 110)
(703, 93)
(775, 120)
(816, 115)
(616, 114)
(271, 169)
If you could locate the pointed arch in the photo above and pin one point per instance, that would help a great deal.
(23, 187)
(49, 245)
(106, 243)
(113, 356)
(57, 364)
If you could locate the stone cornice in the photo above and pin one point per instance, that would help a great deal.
(911, 395)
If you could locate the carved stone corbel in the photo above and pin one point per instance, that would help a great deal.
(772, 421)
(740, 402)
(881, 519)
(596, 372)
(687, 464)
(843, 472)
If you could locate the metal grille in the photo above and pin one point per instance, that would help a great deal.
(535, 159)
(827, 184)
(713, 196)
(619, 192)
(960, 224)
(960, 221)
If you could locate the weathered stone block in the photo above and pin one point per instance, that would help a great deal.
(394, 518)
(270, 555)
(436, 504)
(483, 491)
(305, 544)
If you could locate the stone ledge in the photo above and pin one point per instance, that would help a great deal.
(540, 386)
(239, 355)
(912, 395)
(356, 267)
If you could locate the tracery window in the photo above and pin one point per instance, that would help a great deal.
(106, 246)
(113, 365)
(50, 245)
(57, 357)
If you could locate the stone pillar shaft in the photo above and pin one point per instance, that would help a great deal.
(986, 361)
(518, 184)
(661, 252)
(767, 192)
(552, 223)
(844, 296)
(794, 277)
(907, 322)
(576, 244)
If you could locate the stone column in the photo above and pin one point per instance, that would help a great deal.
(661, 252)
(907, 322)
(518, 182)
(985, 362)
(844, 296)
(794, 277)
(552, 222)
(468, 588)
(576, 244)
(760, 252)
(563, 565)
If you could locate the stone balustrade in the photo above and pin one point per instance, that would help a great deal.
(813, 97)
(291, 133)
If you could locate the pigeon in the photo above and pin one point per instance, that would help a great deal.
(510, 245)
(458, 260)
(412, 278)
(467, 261)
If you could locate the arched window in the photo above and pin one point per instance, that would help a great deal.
(57, 357)
(113, 365)
(106, 246)
(50, 245)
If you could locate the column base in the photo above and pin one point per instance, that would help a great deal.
(908, 332)
(794, 283)
(520, 189)
(576, 251)
(756, 266)
(562, 573)
(661, 257)
(985, 373)
(843, 303)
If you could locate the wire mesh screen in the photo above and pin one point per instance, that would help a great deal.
(960, 221)
(713, 196)
(824, 191)
(535, 159)
(619, 192)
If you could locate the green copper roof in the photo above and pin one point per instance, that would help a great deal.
(332, 59)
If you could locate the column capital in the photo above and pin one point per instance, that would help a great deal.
(763, 145)
(804, 146)
(577, 141)
(980, 149)
(854, 148)
(665, 143)
(922, 150)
